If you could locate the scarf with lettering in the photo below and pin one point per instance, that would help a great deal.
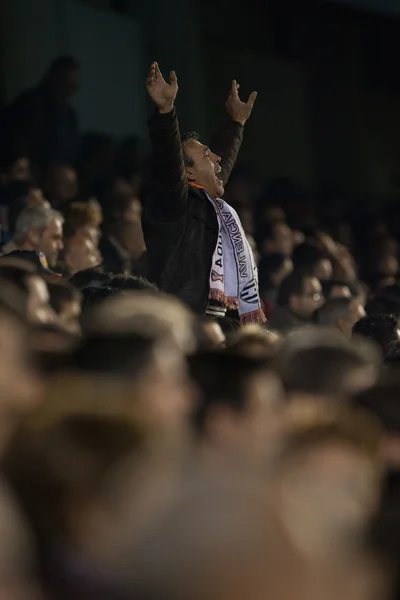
(234, 276)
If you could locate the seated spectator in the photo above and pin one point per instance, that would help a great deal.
(340, 313)
(40, 229)
(33, 289)
(309, 259)
(239, 411)
(299, 296)
(65, 300)
(79, 254)
(272, 270)
(381, 329)
(322, 364)
(61, 185)
(274, 237)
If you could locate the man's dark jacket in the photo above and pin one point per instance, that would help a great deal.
(179, 222)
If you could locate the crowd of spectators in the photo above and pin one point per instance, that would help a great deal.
(151, 453)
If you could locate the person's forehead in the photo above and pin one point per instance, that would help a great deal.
(196, 146)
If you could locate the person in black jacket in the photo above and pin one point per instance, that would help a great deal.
(196, 246)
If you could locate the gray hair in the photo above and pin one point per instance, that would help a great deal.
(33, 217)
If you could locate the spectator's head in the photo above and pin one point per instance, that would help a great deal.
(16, 166)
(275, 237)
(255, 342)
(65, 300)
(301, 293)
(94, 295)
(385, 302)
(381, 329)
(80, 254)
(239, 409)
(341, 313)
(41, 229)
(272, 270)
(202, 166)
(84, 219)
(61, 185)
(334, 288)
(210, 335)
(322, 363)
(62, 77)
(309, 259)
(34, 291)
(19, 195)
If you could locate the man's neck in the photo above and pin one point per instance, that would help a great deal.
(27, 246)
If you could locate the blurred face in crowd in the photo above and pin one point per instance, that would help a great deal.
(19, 386)
(39, 310)
(206, 170)
(63, 185)
(282, 241)
(20, 170)
(340, 291)
(81, 254)
(355, 313)
(284, 271)
(310, 300)
(91, 233)
(133, 211)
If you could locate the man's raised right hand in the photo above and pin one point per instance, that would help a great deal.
(162, 93)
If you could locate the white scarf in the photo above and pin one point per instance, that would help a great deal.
(234, 276)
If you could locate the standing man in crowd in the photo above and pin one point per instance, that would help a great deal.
(197, 247)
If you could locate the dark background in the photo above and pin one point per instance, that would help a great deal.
(327, 74)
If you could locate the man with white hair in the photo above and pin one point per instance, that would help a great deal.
(40, 229)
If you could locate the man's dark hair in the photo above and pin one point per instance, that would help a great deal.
(93, 296)
(132, 282)
(269, 265)
(222, 378)
(306, 256)
(90, 278)
(63, 63)
(292, 285)
(321, 369)
(60, 293)
(386, 301)
(332, 310)
(381, 329)
(185, 138)
(114, 354)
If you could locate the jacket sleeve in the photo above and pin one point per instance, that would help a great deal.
(169, 186)
(226, 143)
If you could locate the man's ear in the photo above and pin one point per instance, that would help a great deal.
(190, 174)
(33, 237)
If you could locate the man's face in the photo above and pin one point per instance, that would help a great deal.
(282, 241)
(206, 169)
(82, 254)
(20, 170)
(311, 299)
(39, 311)
(51, 241)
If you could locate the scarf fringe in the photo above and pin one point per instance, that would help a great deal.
(218, 295)
(256, 316)
(232, 303)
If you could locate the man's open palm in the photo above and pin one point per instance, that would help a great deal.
(238, 110)
(162, 93)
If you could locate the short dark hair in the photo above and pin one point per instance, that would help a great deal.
(60, 293)
(222, 377)
(90, 278)
(292, 285)
(332, 310)
(132, 282)
(93, 295)
(386, 301)
(381, 329)
(185, 138)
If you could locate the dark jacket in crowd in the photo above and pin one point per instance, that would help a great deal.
(283, 320)
(179, 222)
